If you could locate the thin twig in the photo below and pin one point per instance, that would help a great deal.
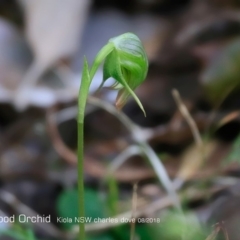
(123, 157)
(224, 230)
(214, 234)
(183, 109)
(178, 182)
(134, 208)
(59, 145)
(217, 228)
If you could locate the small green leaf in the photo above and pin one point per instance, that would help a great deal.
(127, 63)
(68, 203)
(18, 232)
(175, 226)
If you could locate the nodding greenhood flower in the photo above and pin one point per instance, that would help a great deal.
(127, 63)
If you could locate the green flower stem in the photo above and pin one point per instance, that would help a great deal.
(125, 61)
(83, 93)
(82, 99)
(102, 54)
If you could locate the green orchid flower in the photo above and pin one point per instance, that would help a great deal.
(127, 63)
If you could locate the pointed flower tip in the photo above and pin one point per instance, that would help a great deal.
(122, 98)
(144, 113)
(119, 107)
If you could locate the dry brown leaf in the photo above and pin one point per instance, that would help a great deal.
(193, 158)
(53, 29)
(15, 58)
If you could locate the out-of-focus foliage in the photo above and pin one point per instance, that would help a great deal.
(67, 206)
(17, 232)
(176, 226)
(234, 154)
(223, 73)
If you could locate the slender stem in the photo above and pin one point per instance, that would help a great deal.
(99, 58)
(80, 166)
(134, 208)
(87, 77)
(81, 181)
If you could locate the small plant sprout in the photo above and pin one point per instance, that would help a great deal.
(124, 60)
